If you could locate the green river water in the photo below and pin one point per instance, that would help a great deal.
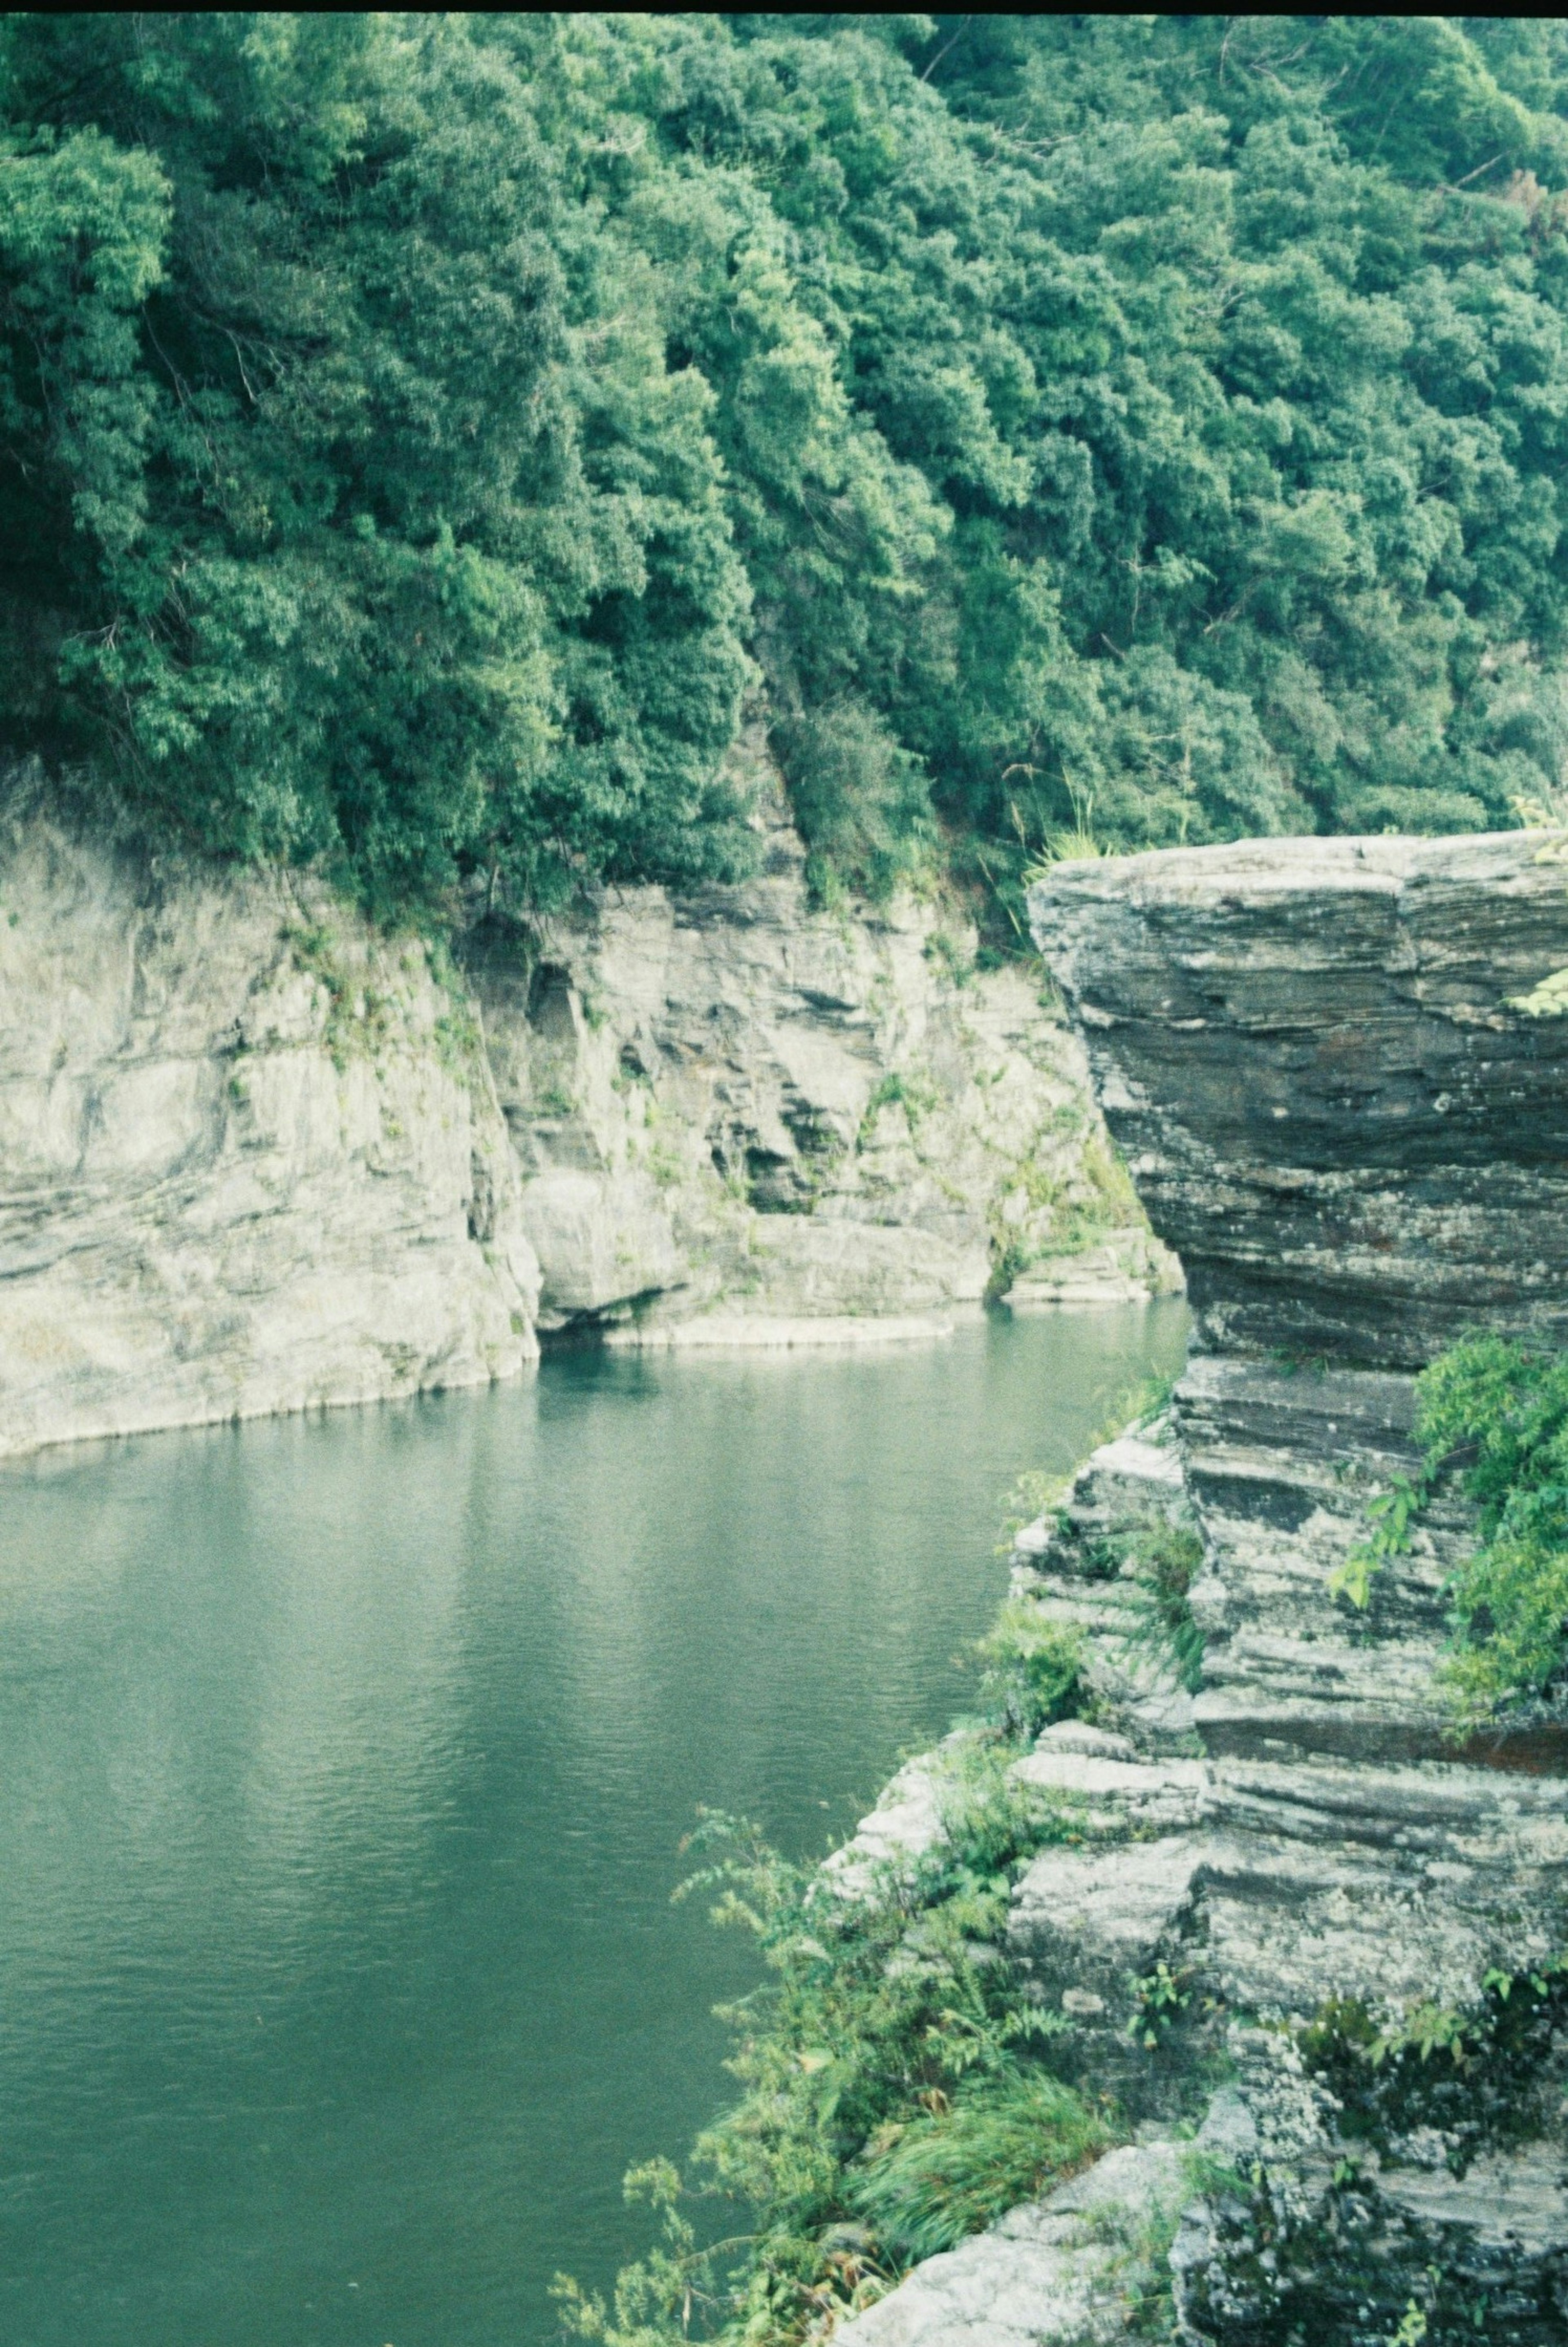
(343, 1766)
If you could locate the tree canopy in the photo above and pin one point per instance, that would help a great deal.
(420, 431)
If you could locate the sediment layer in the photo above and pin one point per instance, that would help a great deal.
(1336, 1073)
(1311, 1055)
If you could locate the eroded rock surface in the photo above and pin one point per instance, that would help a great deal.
(737, 1117)
(253, 1156)
(1070, 2271)
(1334, 1068)
(1309, 1053)
(1338, 1100)
(250, 1158)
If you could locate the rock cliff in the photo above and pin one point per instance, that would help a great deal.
(250, 1159)
(1339, 1073)
(1328, 1066)
(738, 1118)
(255, 1156)
(1311, 1054)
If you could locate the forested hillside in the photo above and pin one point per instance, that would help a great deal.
(421, 433)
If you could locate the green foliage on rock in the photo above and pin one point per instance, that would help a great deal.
(1484, 2078)
(952, 2171)
(419, 429)
(895, 2093)
(1495, 1413)
(1503, 1411)
(1033, 1668)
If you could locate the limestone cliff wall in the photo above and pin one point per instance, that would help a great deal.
(254, 1156)
(250, 1158)
(736, 1116)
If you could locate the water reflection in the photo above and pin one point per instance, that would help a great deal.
(344, 1764)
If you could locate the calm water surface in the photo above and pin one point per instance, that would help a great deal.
(342, 1765)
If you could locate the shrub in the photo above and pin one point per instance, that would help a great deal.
(1496, 1413)
(860, 801)
(887, 2014)
(1034, 1669)
(1504, 1411)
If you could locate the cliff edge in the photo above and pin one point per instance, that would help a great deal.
(1338, 1072)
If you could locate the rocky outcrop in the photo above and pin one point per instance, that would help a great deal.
(738, 1118)
(1339, 1073)
(1313, 1055)
(1064, 2272)
(250, 1158)
(1328, 1066)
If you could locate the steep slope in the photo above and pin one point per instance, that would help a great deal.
(251, 1154)
(1336, 1073)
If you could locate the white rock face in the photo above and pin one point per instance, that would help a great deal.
(734, 1114)
(250, 1159)
(1067, 2268)
(253, 1157)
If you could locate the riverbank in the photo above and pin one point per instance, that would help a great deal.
(260, 1157)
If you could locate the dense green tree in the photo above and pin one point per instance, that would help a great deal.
(418, 429)
(352, 510)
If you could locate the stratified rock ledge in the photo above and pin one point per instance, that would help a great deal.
(1333, 1071)
(1339, 1102)
(1309, 1053)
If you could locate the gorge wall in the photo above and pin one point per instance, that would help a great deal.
(256, 1156)
(1337, 1074)
(1309, 1945)
(738, 1117)
(252, 1159)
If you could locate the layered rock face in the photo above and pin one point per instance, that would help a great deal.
(737, 1118)
(1309, 1053)
(1328, 1065)
(250, 1158)
(1292, 1916)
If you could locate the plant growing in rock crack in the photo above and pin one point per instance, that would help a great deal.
(360, 1016)
(1486, 2075)
(952, 2170)
(945, 953)
(1160, 1999)
(1495, 1413)
(1165, 1559)
(915, 1095)
(1033, 1672)
(1037, 1492)
(896, 2086)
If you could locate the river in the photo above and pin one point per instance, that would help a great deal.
(345, 1762)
